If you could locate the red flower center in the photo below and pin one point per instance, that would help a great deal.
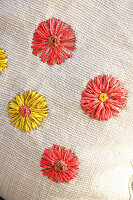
(53, 41)
(24, 111)
(60, 166)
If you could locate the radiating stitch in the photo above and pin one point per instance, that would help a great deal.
(3, 60)
(59, 164)
(27, 110)
(55, 40)
(103, 97)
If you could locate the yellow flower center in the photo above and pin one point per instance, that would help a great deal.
(103, 97)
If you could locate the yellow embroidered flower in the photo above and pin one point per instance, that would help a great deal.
(27, 110)
(3, 61)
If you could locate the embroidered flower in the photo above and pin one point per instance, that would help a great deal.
(3, 61)
(27, 110)
(103, 97)
(59, 164)
(55, 40)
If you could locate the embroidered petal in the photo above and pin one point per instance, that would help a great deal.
(54, 40)
(3, 60)
(59, 164)
(27, 110)
(103, 97)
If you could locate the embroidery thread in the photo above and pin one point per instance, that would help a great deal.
(55, 40)
(3, 60)
(103, 97)
(59, 164)
(27, 110)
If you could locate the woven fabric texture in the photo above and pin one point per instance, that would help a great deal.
(104, 46)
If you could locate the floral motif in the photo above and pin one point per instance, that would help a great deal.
(59, 164)
(55, 40)
(3, 60)
(27, 110)
(103, 97)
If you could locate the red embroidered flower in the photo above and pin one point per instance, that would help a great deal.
(103, 97)
(59, 164)
(54, 40)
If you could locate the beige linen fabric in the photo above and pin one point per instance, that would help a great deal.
(104, 45)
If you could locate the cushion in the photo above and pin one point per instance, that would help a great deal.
(104, 148)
